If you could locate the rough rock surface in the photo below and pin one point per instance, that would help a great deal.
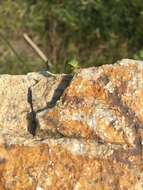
(88, 136)
(14, 106)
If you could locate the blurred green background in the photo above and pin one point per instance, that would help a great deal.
(71, 33)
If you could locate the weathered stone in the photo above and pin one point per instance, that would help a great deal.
(103, 103)
(14, 106)
(90, 139)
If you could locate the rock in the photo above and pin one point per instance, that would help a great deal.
(14, 106)
(87, 133)
(103, 103)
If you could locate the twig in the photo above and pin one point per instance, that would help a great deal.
(39, 52)
(36, 49)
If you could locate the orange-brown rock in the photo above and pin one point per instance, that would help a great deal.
(90, 139)
(68, 164)
(103, 103)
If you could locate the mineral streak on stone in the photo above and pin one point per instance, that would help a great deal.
(89, 134)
